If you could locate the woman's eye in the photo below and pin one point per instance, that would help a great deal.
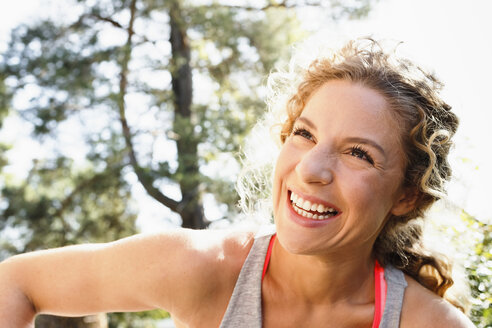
(362, 154)
(303, 133)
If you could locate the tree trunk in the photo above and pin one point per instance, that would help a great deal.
(92, 321)
(191, 207)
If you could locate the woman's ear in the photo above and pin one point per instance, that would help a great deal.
(405, 203)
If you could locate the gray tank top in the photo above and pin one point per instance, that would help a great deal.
(244, 309)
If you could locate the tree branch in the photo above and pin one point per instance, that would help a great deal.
(107, 19)
(144, 179)
(282, 4)
(98, 17)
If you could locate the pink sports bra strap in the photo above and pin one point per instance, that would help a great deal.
(267, 257)
(380, 294)
(379, 285)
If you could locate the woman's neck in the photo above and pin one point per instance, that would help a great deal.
(331, 278)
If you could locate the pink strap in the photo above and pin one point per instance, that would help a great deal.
(380, 294)
(268, 254)
(379, 285)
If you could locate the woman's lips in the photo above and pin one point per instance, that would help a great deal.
(318, 214)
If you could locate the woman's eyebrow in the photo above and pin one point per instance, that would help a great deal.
(307, 122)
(366, 141)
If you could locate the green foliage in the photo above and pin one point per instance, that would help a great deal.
(136, 320)
(479, 270)
(358, 9)
(5, 98)
(58, 205)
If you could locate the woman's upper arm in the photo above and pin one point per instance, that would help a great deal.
(136, 273)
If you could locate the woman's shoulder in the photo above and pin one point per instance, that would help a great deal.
(212, 260)
(227, 249)
(206, 250)
(423, 308)
(210, 255)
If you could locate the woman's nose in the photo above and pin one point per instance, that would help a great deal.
(316, 166)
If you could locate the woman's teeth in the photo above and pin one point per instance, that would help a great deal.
(317, 211)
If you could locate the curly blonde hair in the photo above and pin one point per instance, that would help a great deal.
(427, 125)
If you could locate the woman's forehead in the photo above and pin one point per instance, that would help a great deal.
(342, 102)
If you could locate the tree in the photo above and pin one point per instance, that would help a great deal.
(132, 74)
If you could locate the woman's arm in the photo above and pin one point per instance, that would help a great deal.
(173, 270)
(16, 309)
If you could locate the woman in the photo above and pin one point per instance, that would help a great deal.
(364, 152)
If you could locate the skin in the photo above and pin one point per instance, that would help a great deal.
(319, 274)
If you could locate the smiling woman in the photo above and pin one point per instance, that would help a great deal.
(344, 152)
(389, 99)
(363, 155)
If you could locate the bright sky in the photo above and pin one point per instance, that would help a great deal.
(449, 36)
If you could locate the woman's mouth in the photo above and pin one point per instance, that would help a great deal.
(311, 210)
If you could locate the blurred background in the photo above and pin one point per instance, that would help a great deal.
(126, 116)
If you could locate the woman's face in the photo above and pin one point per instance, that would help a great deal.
(339, 173)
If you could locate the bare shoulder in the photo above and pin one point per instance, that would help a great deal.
(206, 269)
(422, 308)
(219, 254)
